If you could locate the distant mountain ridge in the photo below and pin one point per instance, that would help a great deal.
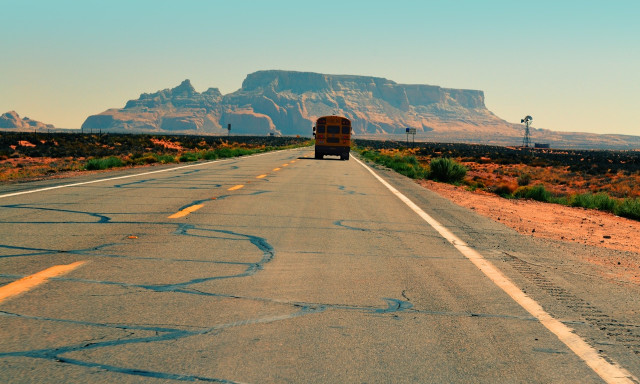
(11, 120)
(288, 102)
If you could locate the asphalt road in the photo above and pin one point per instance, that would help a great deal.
(281, 268)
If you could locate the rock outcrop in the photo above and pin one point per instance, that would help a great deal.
(12, 121)
(285, 102)
(180, 109)
(293, 100)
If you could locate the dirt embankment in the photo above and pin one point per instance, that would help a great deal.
(553, 221)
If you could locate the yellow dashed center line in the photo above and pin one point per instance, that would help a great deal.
(235, 187)
(32, 281)
(285, 165)
(261, 176)
(186, 211)
(276, 169)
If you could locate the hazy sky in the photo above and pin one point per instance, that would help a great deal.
(572, 65)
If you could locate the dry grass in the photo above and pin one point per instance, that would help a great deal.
(556, 179)
(26, 156)
(604, 180)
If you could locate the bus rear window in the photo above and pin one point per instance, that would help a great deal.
(320, 129)
(333, 129)
(346, 130)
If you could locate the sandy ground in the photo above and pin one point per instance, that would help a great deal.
(553, 221)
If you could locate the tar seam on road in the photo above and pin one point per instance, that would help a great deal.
(609, 372)
(32, 281)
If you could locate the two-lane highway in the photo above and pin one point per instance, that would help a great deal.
(270, 268)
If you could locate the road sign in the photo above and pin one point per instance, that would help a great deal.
(411, 131)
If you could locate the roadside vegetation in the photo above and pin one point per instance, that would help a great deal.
(603, 180)
(26, 156)
(407, 165)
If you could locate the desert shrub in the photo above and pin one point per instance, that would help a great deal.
(405, 165)
(524, 179)
(473, 185)
(538, 193)
(164, 159)
(188, 156)
(446, 170)
(604, 202)
(147, 159)
(629, 208)
(104, 163)
(241, 152)
(504, 190)
(224, 152)
(600, 201)
(210, 155)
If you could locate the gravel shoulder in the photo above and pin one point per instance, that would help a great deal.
(561, 223)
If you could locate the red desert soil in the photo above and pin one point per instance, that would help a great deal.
(557, 222)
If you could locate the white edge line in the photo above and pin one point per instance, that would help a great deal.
(610, 372)
(134, 175)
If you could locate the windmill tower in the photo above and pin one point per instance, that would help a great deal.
(527, 122)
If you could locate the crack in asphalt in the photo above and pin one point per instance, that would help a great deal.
(162, 334)
(173, 333)
(101, 218)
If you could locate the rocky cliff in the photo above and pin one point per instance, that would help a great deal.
(12, 121)
(285, 102)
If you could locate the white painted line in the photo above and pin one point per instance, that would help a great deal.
(610, 372)
(133, 175)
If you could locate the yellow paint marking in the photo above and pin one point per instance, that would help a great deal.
(285, 165)
(276, 169)
(235, 187)
(261, 176)
(30, 282)
(186, 211)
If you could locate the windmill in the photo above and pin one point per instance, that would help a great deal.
(527, 123)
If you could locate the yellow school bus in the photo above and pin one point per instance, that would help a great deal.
(333, 136)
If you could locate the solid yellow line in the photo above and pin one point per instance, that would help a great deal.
(30, 282)
(186, 211)
(235, 187)
(276, 169)
(261, 176)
